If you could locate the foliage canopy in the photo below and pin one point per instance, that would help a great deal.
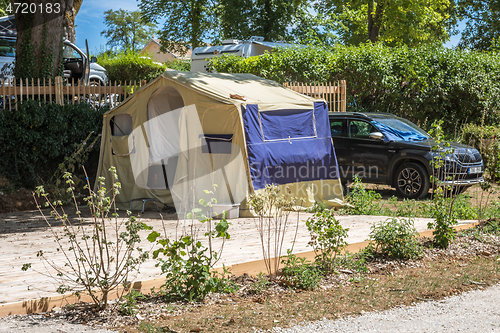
(126, 29)
(420, 84)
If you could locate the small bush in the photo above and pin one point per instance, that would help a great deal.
(128, 306)
(300, 273)
(188, 269)
(260, 285)
(363, 201)
(99, 252)
(396, 238)
(273, 209)
(188, 265)
(318, 206)
(130, 66)
(328, 238)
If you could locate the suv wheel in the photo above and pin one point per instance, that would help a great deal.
(412, 181)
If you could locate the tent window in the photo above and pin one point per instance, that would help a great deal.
(217, 143)
(287, 124)
(121, 125)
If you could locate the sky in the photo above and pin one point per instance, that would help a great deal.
(90, 22)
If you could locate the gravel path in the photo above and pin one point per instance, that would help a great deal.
(38, 323)
(475, 311)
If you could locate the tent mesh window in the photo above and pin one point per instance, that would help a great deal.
(300, 124)
(121, 125)
(216, 143)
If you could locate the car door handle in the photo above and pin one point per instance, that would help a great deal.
(391, 151)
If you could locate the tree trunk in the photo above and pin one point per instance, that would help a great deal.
(72, 8)
(39, 38)
(268, 25)
(374, 20)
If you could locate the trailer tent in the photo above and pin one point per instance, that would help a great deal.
(184, 132)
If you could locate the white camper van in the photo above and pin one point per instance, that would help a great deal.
(248, 48)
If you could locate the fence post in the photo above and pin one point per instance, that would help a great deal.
(59, 90)
(344, 95)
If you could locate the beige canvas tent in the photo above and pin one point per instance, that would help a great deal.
(184, 132)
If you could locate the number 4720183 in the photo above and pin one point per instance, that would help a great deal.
(32, 8)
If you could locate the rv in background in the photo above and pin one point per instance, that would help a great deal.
(248, 48)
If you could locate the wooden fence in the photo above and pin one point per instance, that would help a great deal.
(333, 93)
(61, 92)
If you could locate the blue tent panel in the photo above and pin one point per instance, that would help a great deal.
(287, 146)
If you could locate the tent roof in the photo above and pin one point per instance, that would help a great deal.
(256, 90)
(220, 86)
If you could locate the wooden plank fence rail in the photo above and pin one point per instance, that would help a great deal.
(334, 93)
(61, 91)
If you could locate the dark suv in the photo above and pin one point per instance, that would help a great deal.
(385, 149)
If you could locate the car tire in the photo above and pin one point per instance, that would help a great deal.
(412, 181)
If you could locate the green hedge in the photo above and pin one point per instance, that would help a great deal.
(487, 140)
(421, 84)
(36, 138)
(130, 66)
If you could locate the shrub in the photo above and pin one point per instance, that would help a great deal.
(418, 83)
(179, 65)
(260, 285)
(99, 252)
(486, 139)
(273, 210)
(327, 238)
(38, 136)
(188, 269)
(363, 201)
(130, 66)
(318, 206)
(128, 305)
(443, 199)
(396, 238)
(299, 272)
(188, 266)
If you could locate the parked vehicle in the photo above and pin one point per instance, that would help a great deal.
(74, 59)
(243, 48)
(385, 149)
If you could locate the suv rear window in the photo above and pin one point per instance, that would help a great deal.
(361, 129)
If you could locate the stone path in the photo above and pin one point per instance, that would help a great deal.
(23, 234)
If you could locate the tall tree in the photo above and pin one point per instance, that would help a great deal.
(394, 22)
(234, 19)
(188, 22)
(126, 29)
(482, 29)
(273, 17)
(40, 34)
(191, 22)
